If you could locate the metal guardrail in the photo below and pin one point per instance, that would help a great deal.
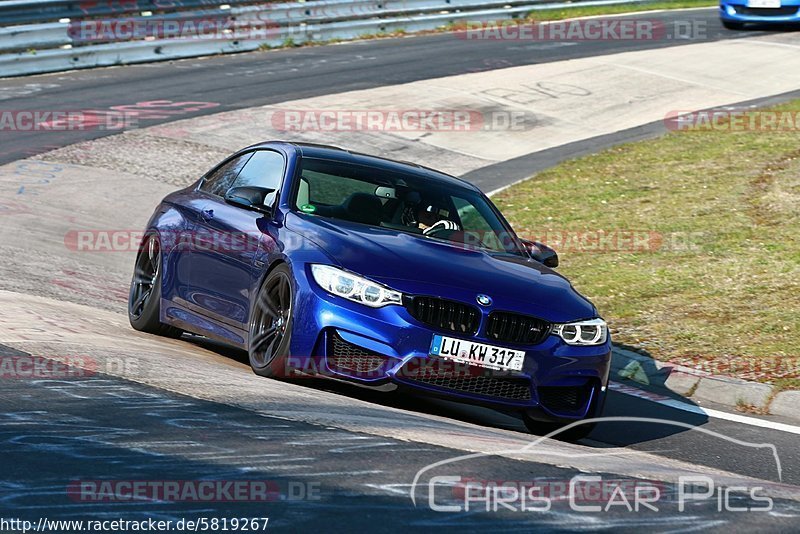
(36, 11)
(49, 46)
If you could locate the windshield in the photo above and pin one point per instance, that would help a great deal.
(402, 202)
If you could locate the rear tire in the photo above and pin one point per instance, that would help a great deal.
(730, 25)
(271, 324)
(144, 299)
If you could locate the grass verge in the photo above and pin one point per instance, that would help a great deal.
(588, 11)
(713, 281)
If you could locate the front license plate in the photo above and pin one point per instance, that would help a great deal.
(478, 354)
(764, 3)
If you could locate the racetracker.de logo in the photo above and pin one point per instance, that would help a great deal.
(231, 242)
(24, 367)
(725, 120)
(399, 120)
(42, 120)
(131, 241)
(99, 491)
(222, 28)
(611, 29)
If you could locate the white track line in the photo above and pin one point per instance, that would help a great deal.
(717, 414)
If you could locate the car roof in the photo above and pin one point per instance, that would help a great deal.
(335, 153)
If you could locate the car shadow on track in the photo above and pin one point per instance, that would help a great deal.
(606, 434)
(770, 27)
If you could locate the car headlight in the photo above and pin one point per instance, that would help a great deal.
(352, 287)
(591, 332)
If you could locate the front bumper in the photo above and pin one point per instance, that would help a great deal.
(738, 11)
(376, 347)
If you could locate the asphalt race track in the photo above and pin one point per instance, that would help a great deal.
(256, 79)
(115, 429)
(131, 407)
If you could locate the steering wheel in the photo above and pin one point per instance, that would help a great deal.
(438, 226)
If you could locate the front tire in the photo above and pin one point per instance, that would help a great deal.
(144, 299)
(271, 324)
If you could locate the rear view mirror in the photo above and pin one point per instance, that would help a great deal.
(385, 192)
(541, 253)
(251, 197)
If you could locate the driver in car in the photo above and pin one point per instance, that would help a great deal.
(430, 219)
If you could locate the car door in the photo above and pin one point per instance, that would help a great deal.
(181, 239)
(227, 241)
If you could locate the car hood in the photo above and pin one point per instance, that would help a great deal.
(419, 265)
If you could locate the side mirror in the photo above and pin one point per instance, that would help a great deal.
(250, 197)
(541, 253)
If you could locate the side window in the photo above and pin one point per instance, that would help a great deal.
(264, 169)
(332, 190)
(219, 181)
(473, 223)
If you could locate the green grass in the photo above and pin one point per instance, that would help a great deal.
(783, 384)
(729, 302)
(587, 11)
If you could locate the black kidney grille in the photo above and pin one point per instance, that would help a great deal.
(515, 328)
(445, 314)
(346, 356)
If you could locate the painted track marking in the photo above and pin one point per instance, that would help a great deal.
(716, 414)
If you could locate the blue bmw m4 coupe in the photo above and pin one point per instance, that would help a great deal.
(321, 261)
